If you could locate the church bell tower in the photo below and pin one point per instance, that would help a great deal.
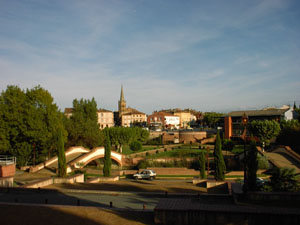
(122, 103)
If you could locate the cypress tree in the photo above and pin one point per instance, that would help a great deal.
(220, 166)
(62, 167)
(107, 159)
(202, 165)
(252, 166)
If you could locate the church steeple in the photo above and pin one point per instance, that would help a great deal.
(122, 103)
(122, 94)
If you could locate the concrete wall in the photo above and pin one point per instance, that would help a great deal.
(191, 211)
(77, 178)
(102, 179)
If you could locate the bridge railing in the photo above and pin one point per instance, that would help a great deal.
(7, 160)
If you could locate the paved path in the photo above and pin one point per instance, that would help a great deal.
(125, 201)
(284, 160)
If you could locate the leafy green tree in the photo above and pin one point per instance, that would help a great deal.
(212, 118)
(202, 165)
(62, 166)
(284, 179)
(135, 146)
(29, 123)
(252, 166)
(220, 166)
(107, 157)
(82, 126)
(265, 130)
(126, 135)
(289, 134)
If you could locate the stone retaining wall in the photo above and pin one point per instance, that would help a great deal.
(77, 178)
(102, 179)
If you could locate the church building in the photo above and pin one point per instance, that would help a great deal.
(129, 116)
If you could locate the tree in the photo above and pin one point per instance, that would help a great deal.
(265, 130)
(29, 123)
(82, 126)
(220, 166)
(135, 146)
(107, 157)
(202, 165)
(126, 135)
(252, 165)
(284, 179)
(62, 166)
(212, 118)
(289, 134)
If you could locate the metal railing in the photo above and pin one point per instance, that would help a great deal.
(7, 160)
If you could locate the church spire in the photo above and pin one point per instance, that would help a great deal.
(122, 94)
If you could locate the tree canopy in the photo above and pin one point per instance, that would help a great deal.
(29, 123)
(83, 128)
(212, 118)
(265, 130)
(126, 135)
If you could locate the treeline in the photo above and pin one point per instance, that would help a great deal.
(31, 125)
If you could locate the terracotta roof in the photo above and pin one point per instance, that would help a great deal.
(163, 114)
(266, 112)
(132, 111)
(103, 110)
(68, 110)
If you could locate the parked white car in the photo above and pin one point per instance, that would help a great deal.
(145, 174)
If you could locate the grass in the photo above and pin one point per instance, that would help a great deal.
(237, 149)
(127, 151)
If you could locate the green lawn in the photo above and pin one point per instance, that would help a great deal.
(238, 149)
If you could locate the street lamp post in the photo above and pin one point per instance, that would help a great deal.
(245, 122)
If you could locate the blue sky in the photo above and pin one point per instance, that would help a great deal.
(206, 55)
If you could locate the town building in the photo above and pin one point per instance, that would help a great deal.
(233, 126)
(129, 116)
(163, 120)
(105, 118)
(68, 112)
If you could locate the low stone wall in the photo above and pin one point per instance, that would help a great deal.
(102, 179)
(39, 183)
(7, 170)
(77, 178)
(6, 181)
(174, 171)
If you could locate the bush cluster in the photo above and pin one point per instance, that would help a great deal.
(136, 146)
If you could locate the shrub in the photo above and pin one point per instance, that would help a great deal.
(263, 163)
(135, 146)
(142, 165)
(228, 144)
(147, 153)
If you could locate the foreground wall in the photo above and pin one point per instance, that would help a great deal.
(192, 211)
